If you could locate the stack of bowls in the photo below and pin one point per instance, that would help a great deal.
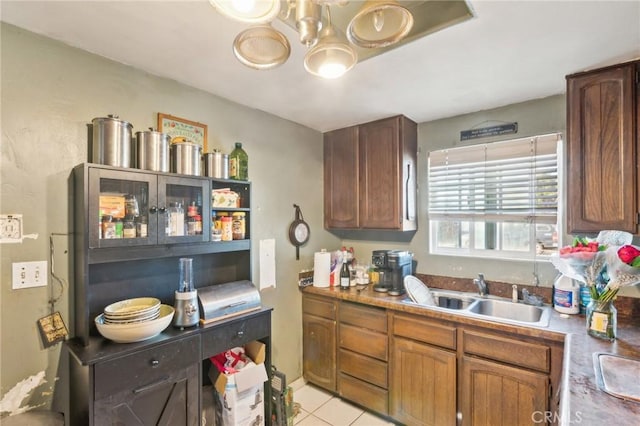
(134, 320)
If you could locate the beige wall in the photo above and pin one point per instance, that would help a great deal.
(50, 92)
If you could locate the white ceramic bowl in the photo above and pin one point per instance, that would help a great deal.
(135, 332)
(132, 307)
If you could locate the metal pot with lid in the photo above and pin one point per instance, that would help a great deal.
(111, 141)
(152, 150)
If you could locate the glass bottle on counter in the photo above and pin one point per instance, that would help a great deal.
(345, 276)
(238, 163)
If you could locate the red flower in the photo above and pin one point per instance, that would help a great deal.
(628, 253)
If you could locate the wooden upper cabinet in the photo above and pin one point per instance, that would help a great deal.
(341, 178)
(373, 185)
(602, 136)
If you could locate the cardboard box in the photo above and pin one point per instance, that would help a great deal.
(240, 396)
(224, 198)
(112, 204)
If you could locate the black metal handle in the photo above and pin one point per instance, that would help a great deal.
(151, 385)
(162, 210)
(154, 362)
(153, 210)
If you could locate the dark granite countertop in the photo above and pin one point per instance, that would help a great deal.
(581, 401)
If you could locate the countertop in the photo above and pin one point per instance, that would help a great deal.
(581, 401)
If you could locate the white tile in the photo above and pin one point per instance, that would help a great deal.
(338, 413)
(310, 398)
(297, 384)
(300, 416)
(313, 421)
(368, 419)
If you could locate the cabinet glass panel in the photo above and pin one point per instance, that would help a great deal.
(187, 210)
(120, 210)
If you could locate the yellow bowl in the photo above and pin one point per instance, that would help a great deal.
(135, 332)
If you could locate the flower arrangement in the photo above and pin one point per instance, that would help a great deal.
(604, 265)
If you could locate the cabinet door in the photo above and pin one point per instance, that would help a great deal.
(111, 193)
(319, 351)
(423, 384)
(193, 198)
(495, 394)
(171, 400)
(341, 178)
(601, 172)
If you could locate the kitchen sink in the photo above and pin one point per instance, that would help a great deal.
(511, 312)
(452, 300)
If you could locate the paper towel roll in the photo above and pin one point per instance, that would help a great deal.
(321, 268)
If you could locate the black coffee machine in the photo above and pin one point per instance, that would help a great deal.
(392, 266)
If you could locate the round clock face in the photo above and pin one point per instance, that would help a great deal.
(299, 232)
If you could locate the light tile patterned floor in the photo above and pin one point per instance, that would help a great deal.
(320, 408)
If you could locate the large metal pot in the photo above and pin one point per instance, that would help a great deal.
(111, 141)
(152, 150)
(216, 165)
(186, 158)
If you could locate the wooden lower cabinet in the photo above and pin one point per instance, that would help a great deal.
(158, 386)
(495, 394)
(319, 342)
(423, 384)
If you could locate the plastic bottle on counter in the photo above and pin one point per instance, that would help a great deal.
(238, 163)
(566, 295)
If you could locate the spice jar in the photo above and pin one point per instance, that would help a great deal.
(227, 231)
(129, 227)
(108, 227)
(141, 227)
(119, 228)
(238, 225)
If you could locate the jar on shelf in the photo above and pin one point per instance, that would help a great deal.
(141, 227)
(129, 227)
(108, 227)
(227, 228)
(238, 225)
(119, 228)
(176, 220)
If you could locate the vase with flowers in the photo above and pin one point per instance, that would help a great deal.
(609, 263)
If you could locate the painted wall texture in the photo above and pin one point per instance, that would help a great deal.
(50, 92)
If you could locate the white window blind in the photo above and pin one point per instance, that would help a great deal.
(516, 180)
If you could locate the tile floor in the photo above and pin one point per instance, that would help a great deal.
(320, 408)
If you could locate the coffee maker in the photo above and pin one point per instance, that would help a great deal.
(392, 266)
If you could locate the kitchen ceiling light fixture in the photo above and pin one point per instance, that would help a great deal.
(379, 23)
(248, 11)
(332, 56)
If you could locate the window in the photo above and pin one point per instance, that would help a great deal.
(496, 199)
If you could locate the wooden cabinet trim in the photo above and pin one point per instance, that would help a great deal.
(320, 307)
(364, 316)
(509, 350)
(364, 341)
(364, 368)
(365, 394)
(424, 330)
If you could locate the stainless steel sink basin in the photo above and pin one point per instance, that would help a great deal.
(449, 299)
(511, 312)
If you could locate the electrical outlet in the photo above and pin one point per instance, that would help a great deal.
(29, 274)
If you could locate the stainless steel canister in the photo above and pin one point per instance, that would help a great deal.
(152, 151)
(111, 141)
(216, 164)
(186, 158)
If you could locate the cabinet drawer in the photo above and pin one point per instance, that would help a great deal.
(523, 354)
(143, 369)
(363, 393)
(425, 331)
(363, 316)
(319, 307)
(368, 369)
(363, 341)
(235, 333)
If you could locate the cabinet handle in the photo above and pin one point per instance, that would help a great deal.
(151, 385)
(153, 210)
(240, 333)
(154, 362)
(162, 210)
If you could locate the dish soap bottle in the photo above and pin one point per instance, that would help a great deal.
(238, 163)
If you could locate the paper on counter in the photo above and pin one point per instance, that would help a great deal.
(267, 263)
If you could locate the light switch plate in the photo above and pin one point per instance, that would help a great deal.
(10, 228)
(29, 274)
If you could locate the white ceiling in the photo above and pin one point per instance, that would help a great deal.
(511, 51)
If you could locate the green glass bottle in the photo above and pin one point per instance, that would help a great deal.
(238, 163)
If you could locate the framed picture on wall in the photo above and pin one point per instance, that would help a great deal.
(181, 129)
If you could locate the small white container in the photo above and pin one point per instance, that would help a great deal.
(566, 295)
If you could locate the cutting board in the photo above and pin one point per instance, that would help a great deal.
(618, 375)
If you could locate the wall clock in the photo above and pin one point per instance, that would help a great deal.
(299, 231)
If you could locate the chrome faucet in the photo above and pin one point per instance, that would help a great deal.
(481, 284)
